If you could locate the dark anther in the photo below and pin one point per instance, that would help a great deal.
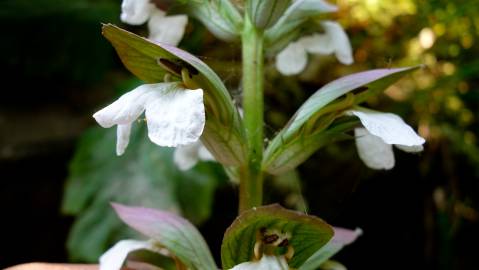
(284, 243)
(269, 239)
(170, 66)
(262, 230)
(359, 90)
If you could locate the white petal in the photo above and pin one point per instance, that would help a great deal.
(136, 12)
(340, 41)
(167, 29)
(266, 263)
(122, 138)
(204, 154)
(186, 157)
(389, 127)
(373, 151)
(410, 149)
(114, 258)
(318, 44)
(292, 59)
(127, 108)
(175, 116)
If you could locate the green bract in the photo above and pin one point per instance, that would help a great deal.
(224, 134)
(309, 128)
(307, 234)
(174, 233)
(265, 13)
(220, 17)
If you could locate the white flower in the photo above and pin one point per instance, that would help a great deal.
(293, 59)
(267, 262)
(114, 258)
(162, 28)
(186, 157)
(381, 131)
(175, 116)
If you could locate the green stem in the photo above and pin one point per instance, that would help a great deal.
(251, 176)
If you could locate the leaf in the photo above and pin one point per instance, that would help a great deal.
(302, 136)
(342, 237)
(265, 13)
(176, 234)
(144, 175)
(307, 234)
(224, 134)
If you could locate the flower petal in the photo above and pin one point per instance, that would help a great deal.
(373, 151)
(204, 154)
(175, 116)
(318, 44)
(389, 127)
(166, 29)
(186, 157)
(292, 59)
(122, 138)
(114, 258)
(410, 149)
(340, 41)
(136, 12)
(266, 263)
(127, 108)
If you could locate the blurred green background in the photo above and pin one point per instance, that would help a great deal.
(59, 170)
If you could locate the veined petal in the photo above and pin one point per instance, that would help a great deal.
(318, 44)
(373, 151)
(266, 263)
(127, 108)
(175, 116)
(136, 12)
(166, 29)
(292, 59)
(388, 126)
(122, 138)
(410, 149)
(114, 258)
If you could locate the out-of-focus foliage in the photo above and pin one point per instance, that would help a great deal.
(145, 176)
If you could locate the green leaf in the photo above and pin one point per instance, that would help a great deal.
(176, 234)
(342, 237)
(307, 234)
(265, 13)
(144, 175)
(220, 17)
(309, 128)
(224, 134)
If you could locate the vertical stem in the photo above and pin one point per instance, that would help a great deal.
(251, 176)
